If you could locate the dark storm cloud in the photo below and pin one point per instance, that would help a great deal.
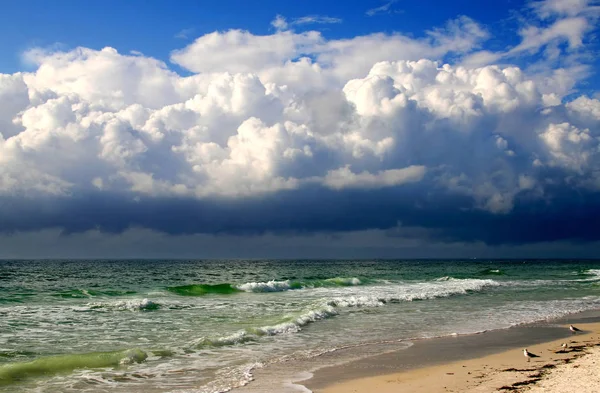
(560, 216)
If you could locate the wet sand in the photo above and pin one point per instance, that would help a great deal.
(485, 362)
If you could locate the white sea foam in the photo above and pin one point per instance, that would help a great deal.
(328, 307)
(232, 339)
(287, 285)
(296, 324)
(269, 286)
(315, 315)
(344, 281)
(406, 292)
(121, 305)
(293, 325)
(86, 293)
(595, 273)
(133, 356)
(227, 379)
(357, 301)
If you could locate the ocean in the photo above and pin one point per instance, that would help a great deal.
(206, 325)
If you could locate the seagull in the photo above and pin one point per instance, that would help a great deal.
(574, 329)
(564, 345)
(529, 355)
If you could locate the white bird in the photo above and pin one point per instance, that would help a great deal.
(573, 329)
(564, 345)
(529, 355)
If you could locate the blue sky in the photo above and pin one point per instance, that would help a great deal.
(156, 28)
(303, 129)
(151, 26)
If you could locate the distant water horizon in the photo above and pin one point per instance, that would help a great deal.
(181, 325)
(176, 259)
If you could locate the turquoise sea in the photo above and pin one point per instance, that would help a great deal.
(205, 325)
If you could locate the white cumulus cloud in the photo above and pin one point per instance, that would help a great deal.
(280, 112)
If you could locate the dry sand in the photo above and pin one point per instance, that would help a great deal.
(581, 375)
(576, 369)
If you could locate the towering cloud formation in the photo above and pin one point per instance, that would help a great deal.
(295, 132)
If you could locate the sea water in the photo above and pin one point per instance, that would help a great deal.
(206, 325)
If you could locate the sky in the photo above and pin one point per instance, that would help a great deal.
(307, 129)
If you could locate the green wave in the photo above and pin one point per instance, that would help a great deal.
(203, 289)
(265, 286)
(51, 365)
(234, 339)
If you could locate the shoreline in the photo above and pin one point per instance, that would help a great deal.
(481, 362)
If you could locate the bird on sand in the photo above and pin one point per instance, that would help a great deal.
(563, 348)
(574, 329)
(529, 355)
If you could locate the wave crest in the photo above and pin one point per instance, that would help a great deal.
(441, 287)
(52, 365)
(269, 286)
(203, 289)
(286, 326)
(287, 285)
(593, 272)
(126, 305)
(258, 287)
(330, 307)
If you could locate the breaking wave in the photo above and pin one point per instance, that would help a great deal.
(595, 273)
(52, 365)
(286, 326)
(125, 305)
(257, 287)
(441, 287)
(329, 307)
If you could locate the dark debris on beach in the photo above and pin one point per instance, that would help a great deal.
(531, 379)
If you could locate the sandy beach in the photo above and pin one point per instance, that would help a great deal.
(574, 369)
